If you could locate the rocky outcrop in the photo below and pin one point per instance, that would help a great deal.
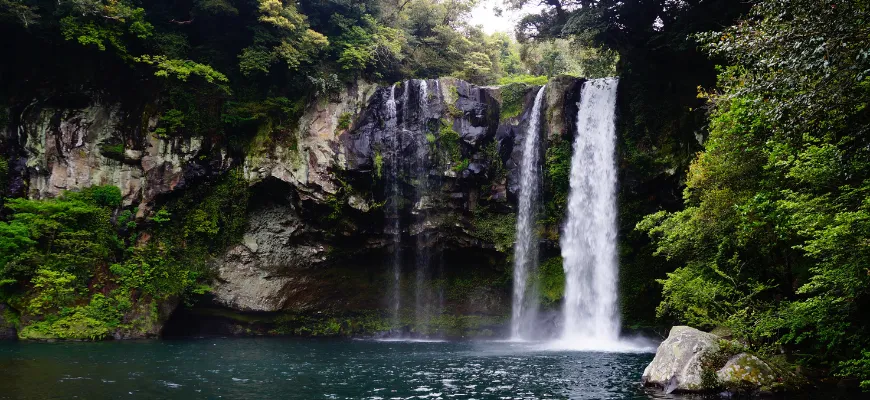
(346, 154)
(258, 274)
(690, 360)
(677, 364)
(67, 148)
(317, 237)
(308, 156)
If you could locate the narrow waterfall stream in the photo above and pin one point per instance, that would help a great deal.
(424, 308)
(406, 119)
(588, 242)
(525, 304)
(393, 196)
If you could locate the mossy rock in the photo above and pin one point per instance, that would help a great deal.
(746, 373)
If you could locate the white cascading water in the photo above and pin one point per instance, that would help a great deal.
(591, 319)
(423, 100)
(393, 196)
(423, 302)
(524, 305)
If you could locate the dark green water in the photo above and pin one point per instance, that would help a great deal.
(314, 369)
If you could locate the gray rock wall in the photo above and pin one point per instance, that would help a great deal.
(293, 257)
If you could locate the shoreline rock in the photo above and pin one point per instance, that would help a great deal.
(677, 364)
(693, 361)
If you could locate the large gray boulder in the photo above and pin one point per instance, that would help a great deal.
(677, 364)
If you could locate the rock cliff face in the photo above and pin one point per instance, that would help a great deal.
(423, 168)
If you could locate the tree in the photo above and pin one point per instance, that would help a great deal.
(773, 240)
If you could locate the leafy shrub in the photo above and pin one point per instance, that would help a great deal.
(512, 99)
(496, 228)
(532, 80)
(551, 276)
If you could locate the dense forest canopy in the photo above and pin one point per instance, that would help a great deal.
(743, 144)
(238, 61)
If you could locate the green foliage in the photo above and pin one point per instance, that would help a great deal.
(557, 174)
(4, 174)
(367, 44)
(182, 69)
(106, 22)
(551, 276)
(379, 164)
(772, 240)
(209, 218)
(574, 57)
(513, 99)
(714, 361)
(279, 113)
(344, 121)
(70, 234)
(54, 290)
(170, 123)
(114, 151)
(329, 325)
(104, 196)
(94, 321)
(496, 166)
(61, 253)
(76, 326)
(532, 80)
(449, 145)
(460, 166)
(283, 34)
(496, 228)
(858, 367)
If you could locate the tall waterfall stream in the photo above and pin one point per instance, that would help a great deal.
(588, 241)
(524, 304)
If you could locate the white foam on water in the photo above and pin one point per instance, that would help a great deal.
(619, 345)
(407, 340)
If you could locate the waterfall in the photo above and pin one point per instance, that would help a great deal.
(423, 306)
(525, 302)
(409, 123)
(423, 102)
(393, 196)
(589, 238)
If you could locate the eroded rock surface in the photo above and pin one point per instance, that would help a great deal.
(74, 148)
(255, 275)
(322, 243)
(677, 364)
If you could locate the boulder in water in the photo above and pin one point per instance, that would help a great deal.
(677, 364)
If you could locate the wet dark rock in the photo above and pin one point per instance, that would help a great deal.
(316, 237)
(7, 328)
